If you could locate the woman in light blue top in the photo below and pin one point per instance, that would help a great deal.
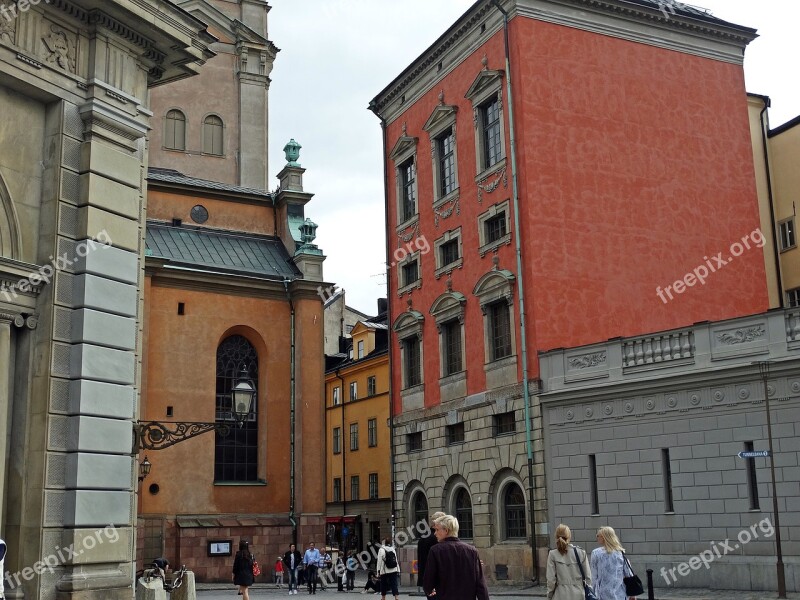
(608, 566)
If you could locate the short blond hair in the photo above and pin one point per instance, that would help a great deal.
(437, 515)
(449, 523)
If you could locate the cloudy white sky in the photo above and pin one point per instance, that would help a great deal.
(336, 55)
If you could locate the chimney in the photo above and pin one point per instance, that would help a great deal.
(383, 305)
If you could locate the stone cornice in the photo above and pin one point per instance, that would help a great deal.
(707, 37)
(163, 275)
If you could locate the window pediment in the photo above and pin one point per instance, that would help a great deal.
(495, 285)
(409, 322)
(487, 80)
(442, 115)
(448, 306)
(405, 145)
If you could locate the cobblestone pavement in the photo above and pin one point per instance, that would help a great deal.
(221, 591)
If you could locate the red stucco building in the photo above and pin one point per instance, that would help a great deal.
(618, 132)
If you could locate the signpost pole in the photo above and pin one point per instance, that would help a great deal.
(763, 369)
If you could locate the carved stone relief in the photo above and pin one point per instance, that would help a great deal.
(60, 48)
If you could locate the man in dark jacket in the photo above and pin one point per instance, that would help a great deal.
(291, 562)
(453, 570)
(424, 546)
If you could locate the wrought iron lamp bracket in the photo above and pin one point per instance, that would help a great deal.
(155, 435)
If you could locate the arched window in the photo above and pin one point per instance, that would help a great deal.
(212, 135)
(463, 513)
(236, 455)
(175, 130)
(420, 507)
(513, 512)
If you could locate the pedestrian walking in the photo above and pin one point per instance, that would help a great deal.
(424, 546)
(352, 565)
(388, 569)
(292, 561)
(279, 571)
(310, 566)
(564, 579)
(243, 569)
(453, 570)
(608, 566)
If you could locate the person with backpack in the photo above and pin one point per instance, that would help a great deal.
(388, 569)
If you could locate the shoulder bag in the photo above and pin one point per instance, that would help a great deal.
(256, 568)
(588, 592)
(633, 585)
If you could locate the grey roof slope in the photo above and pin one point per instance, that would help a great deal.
(176, 177)
(260, 256)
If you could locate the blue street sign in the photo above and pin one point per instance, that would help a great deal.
(754, 454)
(345, 531)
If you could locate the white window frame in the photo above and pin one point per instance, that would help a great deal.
(360, 348)
(353, 391)
(442, 119)
(787, 234)
(410, 324)
(484, 245)
(336, 396)
(486, 86)
(793, 297)
(446, 309)
(449, 236)
(406, 286)
(404, 150)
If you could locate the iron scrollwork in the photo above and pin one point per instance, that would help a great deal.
(155, 435)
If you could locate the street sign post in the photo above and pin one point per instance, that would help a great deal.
(754, 454)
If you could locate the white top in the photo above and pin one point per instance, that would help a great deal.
(382, 568)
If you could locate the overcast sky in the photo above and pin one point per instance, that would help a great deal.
(336, 55)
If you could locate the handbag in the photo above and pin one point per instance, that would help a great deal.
(588, 592)
(256, 569)
(633, 585)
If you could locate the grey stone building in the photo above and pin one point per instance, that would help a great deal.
(643, 434)
(74, 84)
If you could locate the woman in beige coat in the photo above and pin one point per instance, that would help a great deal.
(564, 580)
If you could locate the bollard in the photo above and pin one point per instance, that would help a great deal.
(650, 593)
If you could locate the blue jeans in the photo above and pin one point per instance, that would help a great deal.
(292, 578)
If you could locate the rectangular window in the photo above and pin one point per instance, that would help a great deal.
(793, 297)
(451, 344)
(354, 488)
(336, 397)
(445, 146)
(410, 273)
(448, 252)
(499, 330)
(752, 478)
(372, 432)
(593, 484)
(361, 349)
(408, 176)
(371, 386)
(504, 423)
(353, 390)
(455, 433)
(353, 436)
(787, 234)
(411, 357)
(337, 489)
(373, 486)
(414, 442)
(492, 130)
(666, 469)
(337, 440)
(495, 227)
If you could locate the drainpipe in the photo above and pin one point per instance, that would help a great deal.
(389, 329)
(775, 241)
(521, 291)
(344, 462)
(292, 519)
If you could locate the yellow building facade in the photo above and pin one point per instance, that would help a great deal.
(358, 485)
(777, 153)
